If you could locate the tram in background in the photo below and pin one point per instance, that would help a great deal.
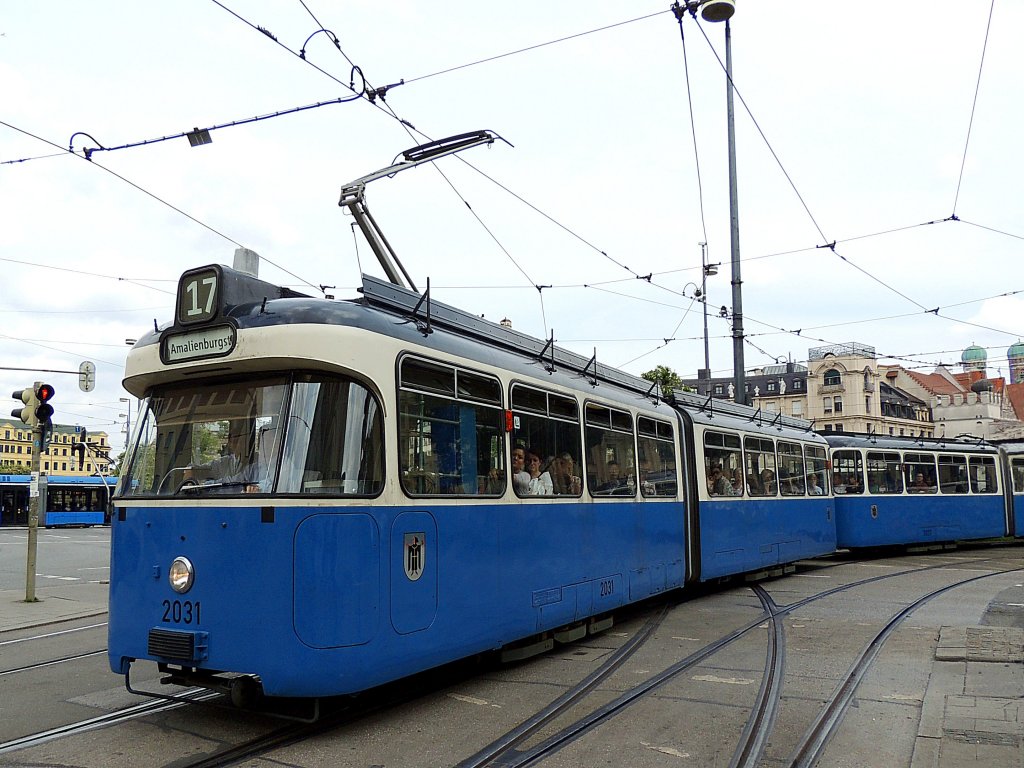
(901, 490)
(71, 500)
(326, 495)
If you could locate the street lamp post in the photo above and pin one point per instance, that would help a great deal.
(128, 417)
(706, 270)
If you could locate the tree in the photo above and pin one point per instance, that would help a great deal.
(666, 377)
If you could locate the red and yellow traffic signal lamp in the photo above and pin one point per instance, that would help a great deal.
(36, 409)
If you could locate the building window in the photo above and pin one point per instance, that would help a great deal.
(798, 385)
(832, 378)
(826, 403)
(718, 389)
(839, 427)
(771, 386)
(838, 404)
(798, 408)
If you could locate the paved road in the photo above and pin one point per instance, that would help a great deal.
(63, 556)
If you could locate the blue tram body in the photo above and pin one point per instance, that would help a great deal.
(896, 491)
(71, 500)
(387, 524)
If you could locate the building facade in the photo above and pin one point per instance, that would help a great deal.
(59, 458)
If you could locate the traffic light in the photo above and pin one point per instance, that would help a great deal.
(36, 409)
(44, 392)
(80, 447)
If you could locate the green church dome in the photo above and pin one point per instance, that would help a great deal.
(1017, 350)
(975, 354)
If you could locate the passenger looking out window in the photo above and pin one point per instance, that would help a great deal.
(563, 476)
(539, 483)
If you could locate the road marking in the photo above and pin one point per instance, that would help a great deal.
(665, 750)
(58, 578)
(469, 699)
(726, 680)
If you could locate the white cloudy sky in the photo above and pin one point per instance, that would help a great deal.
(865, 108)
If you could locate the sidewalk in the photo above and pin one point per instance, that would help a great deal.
(55, 603)
(973, 711)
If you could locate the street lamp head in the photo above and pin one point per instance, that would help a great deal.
(717, 10)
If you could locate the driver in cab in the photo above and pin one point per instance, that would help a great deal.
(236, 470)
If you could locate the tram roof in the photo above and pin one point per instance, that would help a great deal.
(893, 442)
(463, 334)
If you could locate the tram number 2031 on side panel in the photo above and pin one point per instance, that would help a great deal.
(181, 612)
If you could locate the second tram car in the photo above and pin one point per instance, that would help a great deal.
(327, 495)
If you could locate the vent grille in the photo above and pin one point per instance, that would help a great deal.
(183, 646)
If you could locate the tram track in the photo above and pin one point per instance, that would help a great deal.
(812, 745)
(761, 721)
(102, 721)
(51, 662)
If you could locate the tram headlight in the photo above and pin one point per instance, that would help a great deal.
(181, 575)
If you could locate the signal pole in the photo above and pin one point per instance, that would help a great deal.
(36, 412)
(35, 494)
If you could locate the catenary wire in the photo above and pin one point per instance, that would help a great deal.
(974, 105)
(408, 80)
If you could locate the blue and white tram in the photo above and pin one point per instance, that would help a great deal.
(71, 500)
(894, 491)
(382, 523)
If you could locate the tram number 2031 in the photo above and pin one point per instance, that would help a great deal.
(181, 611)
(607, 587)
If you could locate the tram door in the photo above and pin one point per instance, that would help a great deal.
(14, 506)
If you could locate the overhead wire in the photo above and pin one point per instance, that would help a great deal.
(408, 80)
(159, 199)
(974, 105)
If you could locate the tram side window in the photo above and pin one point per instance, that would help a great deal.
(656, 449)
(847, 472)
(546, 425)
(1017, 469)
(816, 466)
(791, 469)
(450, 438)
(761, 479)
(723, 464)
(952, 474)
(919, 472)
(610, 453)
(335, 440)
(983, 474)
(884, 472)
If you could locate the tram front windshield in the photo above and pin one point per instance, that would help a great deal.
(306, 433)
